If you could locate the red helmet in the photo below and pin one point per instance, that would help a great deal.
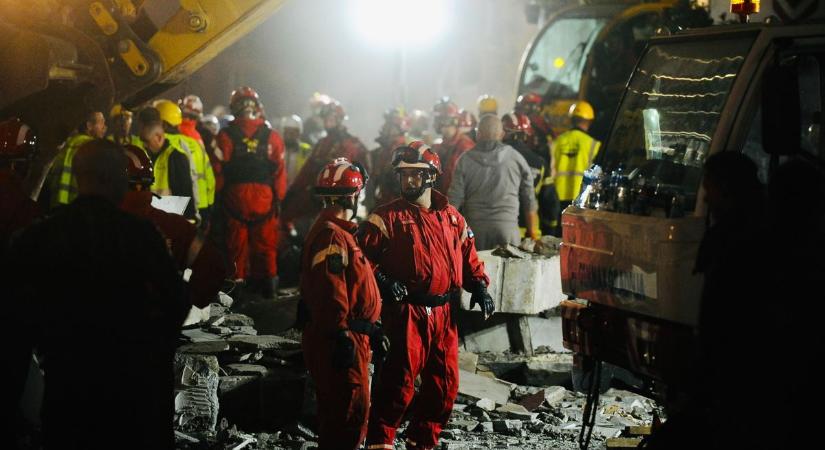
(445, 113)
(516, 122)
(334, 109)
(341, 178)
(416, 155)
(17, 141)
(467, 119)
(529, 103)
(138, 166)
(240, 95)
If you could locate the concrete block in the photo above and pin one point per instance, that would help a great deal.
(554, 395)
(232, 382)
(549, 370)
(463, 424)
(196, 391)
(205, 347)
(247, 369)
(506, 425)
(238, 320)
(486, 404)
(521, 285)
(476, 386)
(263, 342)
(467, 361)
(493, 339)
(485, 427)
(546, 332)
(516, 411)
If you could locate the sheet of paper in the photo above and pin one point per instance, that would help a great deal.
(171, 203)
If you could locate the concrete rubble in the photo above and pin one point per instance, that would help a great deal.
(239, 388)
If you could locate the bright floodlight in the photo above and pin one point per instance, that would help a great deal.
(393, 23)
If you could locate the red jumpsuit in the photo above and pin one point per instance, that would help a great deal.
(449, 152)
(300, 202)
(250, 197)
(187, 248)
(432, 252)
(337, 285)
(17, 210)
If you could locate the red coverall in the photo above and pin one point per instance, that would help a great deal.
(187, 248)
(336, 291)
(17, 210)
(252, 222)
(449, 152)
(432, 252)
(300, 202)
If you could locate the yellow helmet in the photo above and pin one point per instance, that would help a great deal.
(169, 112)
(487, 104)
(582, 110)
(119, 110)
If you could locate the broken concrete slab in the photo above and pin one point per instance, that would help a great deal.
(247, 369)
(554, 395)
(486, 404)
(477, 386)
(263, 342)
(205, 347)
(467, 361)
(238, 320)
(271, 316)
(485, 427)
(532, 401)
(463, 424)
(493, 339)
(506, 425)
(516, 411)
(551, 369)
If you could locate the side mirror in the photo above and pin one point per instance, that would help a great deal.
(781, 109)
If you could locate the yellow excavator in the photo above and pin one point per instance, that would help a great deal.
(60, 59)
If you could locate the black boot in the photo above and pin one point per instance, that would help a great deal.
(269, 288)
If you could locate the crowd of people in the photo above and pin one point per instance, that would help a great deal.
(389, 239)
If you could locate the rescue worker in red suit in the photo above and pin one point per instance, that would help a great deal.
(17, 150)
(453, 143)
(251, 185)
(392, 135)
(342, 304)
(189, 248)
(424, 254)
(299, 209)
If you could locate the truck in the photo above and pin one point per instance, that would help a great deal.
(631, 238)
(587, 50)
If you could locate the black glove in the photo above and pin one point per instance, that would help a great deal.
(379, 342)
(481, 297)
(389, 288)
(343, 356)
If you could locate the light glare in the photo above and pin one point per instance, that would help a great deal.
(394, 23)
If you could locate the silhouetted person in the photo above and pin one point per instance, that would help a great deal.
(97, 294)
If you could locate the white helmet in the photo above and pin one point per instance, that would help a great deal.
(293, 121)
(211, 123)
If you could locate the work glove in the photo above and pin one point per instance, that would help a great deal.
(379, 343)
(390, 289)
(343, 355)
(481, 297)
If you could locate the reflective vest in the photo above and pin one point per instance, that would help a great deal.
(199, 167)
(65, 189)
(161, 169)
(573, 153)
(296, 160)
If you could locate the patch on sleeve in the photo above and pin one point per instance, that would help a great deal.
(453, 220)
(334, 255)
(470, 232)
(335, 263)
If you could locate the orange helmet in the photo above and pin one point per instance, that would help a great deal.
(138, 166)
(18, 142)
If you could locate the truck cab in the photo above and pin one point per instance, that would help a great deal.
(631, 238)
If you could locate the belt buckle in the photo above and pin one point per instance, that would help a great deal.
(429, 310)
